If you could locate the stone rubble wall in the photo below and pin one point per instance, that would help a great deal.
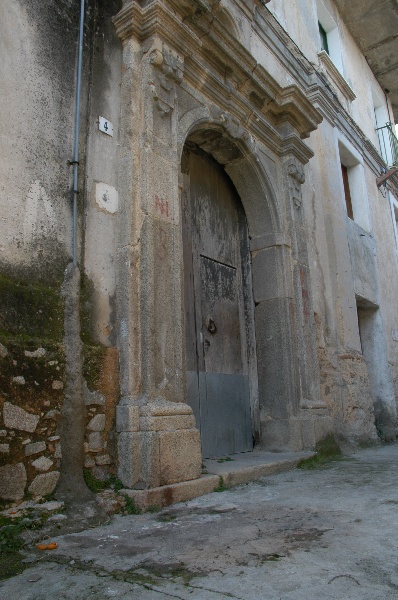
(31, 396)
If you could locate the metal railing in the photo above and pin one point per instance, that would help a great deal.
(388, 143)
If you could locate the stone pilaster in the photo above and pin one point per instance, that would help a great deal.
(157, 440)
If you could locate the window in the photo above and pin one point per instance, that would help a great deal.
(329, 39)
(353, 185)
(324, 38)
(385, 132)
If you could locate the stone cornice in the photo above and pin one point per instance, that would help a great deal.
(335, 76)
(222, 67)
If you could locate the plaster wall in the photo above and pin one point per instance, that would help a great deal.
(37, 72)
(101, 211)
(300, 20)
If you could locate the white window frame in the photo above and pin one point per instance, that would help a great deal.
(332, 33)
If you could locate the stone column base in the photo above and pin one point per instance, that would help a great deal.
(296, 433)
(162, 446)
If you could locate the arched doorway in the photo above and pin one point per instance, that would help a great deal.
(219, 320)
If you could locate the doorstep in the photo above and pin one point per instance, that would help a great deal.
(234, 470)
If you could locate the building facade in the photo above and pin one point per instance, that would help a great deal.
(237, 260)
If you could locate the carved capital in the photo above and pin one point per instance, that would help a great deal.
(168, 69)
(296, 178)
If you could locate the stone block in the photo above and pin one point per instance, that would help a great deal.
(3, 351)
(44, 484)
(91, 398)
(58, 452)
(39, 353)
(42, 463)
(163, 408)
(276, 356)
(150, 458)
(177, 492)
(179, 455)
(127, 418)
(34, 448)
(4, 448)
(103, 459)
(95, 442)
(271, 274)
(308, 433)
(129, 458)
(12, 482)
(88, 461)
(52, 414)
(18, 418)
(281, 434)
(170, 423)
(322, 427)
(97, 423)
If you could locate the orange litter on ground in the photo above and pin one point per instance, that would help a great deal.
(51, 546)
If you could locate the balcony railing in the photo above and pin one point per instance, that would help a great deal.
(388, 143)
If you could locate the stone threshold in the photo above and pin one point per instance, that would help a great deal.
(234, 470)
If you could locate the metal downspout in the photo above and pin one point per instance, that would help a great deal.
(75, 160)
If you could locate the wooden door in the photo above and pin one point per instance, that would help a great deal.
(217, 273)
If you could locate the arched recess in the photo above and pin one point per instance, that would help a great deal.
(271, 275)
(243, 167)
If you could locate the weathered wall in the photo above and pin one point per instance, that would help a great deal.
(129, 241)
(38, 70)
(352, 262)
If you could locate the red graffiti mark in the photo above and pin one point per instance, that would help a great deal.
(162, 205)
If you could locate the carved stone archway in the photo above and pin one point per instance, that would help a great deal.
(172, 91)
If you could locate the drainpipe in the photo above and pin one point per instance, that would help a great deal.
(75, 159)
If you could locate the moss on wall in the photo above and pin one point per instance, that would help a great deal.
(30, 311)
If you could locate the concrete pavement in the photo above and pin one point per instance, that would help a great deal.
(329, 533)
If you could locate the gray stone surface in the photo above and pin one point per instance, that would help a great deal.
(52, 414)
(39, 353)
(12, 481)
(93, 397)
(97, 423)
(103, 459)
(4, 448)
(299, 535)
(42, 463)
(95, 442)
(34, 448)
(18, 418)
(44, 484)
